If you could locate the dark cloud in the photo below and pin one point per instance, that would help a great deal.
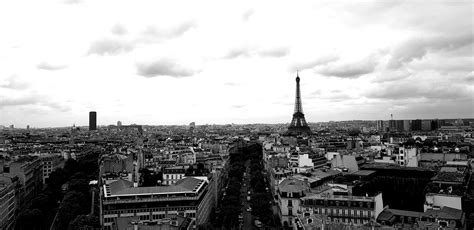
(469, 77)
(451, 108)
(48, 66)
(164, 67)
(387, 76)
(348, 69)
(417, 48)
(170, 32)
(108, 46)
(12, 101)
(247, 14)
(14, 82)
(119, 29)
(31, 99)
(309, 64)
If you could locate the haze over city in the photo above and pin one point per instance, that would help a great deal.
(215, 62)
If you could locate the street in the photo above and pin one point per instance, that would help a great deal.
(248, 218)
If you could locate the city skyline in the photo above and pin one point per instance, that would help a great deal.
(156, 64)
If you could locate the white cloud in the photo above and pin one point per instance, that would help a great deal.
(241, 55)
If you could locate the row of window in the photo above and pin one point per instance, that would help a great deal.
(153, 217)
(337, 203)
(343, 212)
(173, 176)
(148, 210)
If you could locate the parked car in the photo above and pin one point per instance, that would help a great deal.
(249, 209)
(257, 223)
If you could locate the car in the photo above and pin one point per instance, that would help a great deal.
(248, 192)
(257, 223)
(249, 209)
(248, 198)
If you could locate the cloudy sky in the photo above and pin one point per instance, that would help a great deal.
(151, 62)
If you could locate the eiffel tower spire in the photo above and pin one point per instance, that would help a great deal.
(298, 124)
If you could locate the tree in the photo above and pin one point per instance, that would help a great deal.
(190, 171)
(70, 167)
(82, 222)
(30, 220)
(74, 204)
(149, 178)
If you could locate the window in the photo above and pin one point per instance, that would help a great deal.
(290, 212)
(290, 203)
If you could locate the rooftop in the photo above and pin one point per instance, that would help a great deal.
(363, 172)
(449, 177)
(125, 188)
(292, 185)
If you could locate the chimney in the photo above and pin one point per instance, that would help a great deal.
(307, 183)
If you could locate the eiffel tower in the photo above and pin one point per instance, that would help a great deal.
(298, 124)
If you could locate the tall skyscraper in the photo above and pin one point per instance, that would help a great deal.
(119, 123)
(298, 124)
(92, 120)
(380, 126)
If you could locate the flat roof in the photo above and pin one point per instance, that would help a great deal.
(363, 172)
(125, 188)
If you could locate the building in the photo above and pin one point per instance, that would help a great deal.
(408, 156)
(187, 198)
(406, 125)
(7, 202)
(301, 160)
(416, 125)
(426, 125)
(345, 162)
(119, 124)
(173, 174)
(51, 163)
(174, 222)
(392, 125)
(29, 171)
(448, 187)
(117, 166)
(344, 209)
(289, 193)
(380, 127)
(92, 120)
(443, 218)
(298, 124)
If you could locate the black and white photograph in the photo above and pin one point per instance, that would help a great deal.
(236, 115)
